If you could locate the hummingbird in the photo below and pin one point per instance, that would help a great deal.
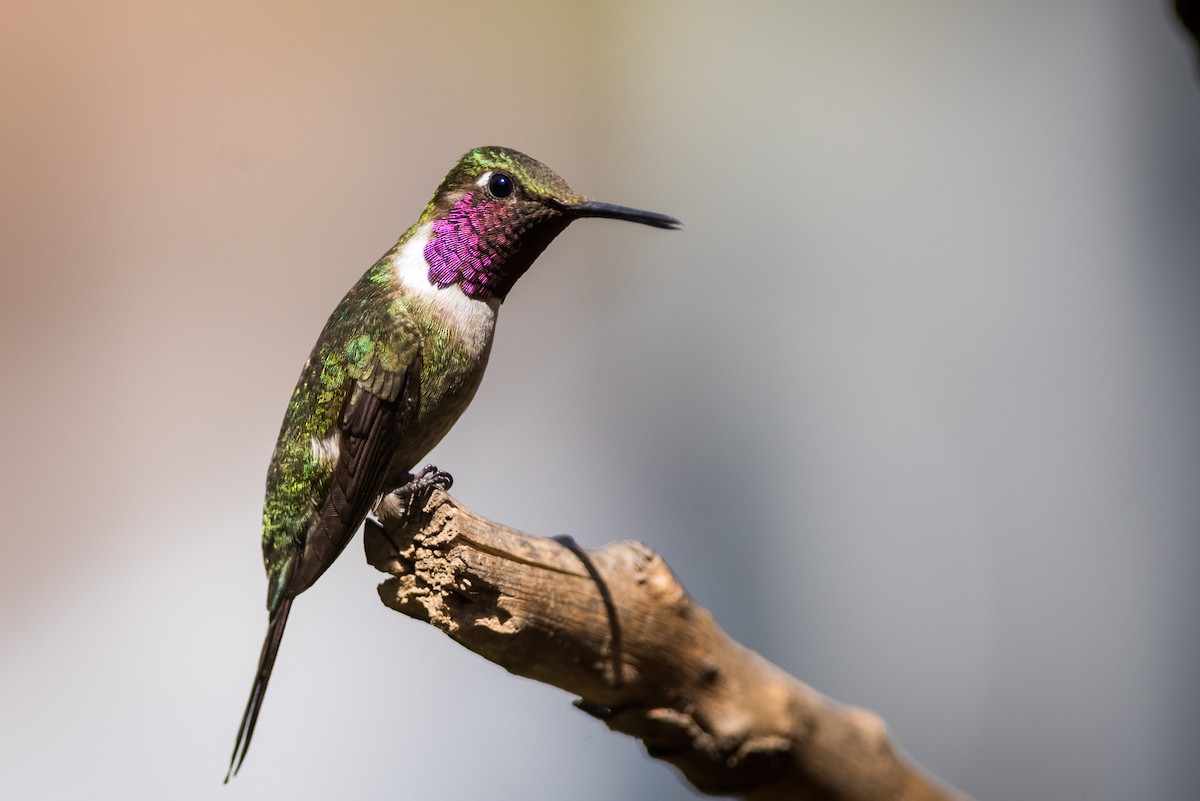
(398, 361)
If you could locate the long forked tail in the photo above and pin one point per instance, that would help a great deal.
(265, 663)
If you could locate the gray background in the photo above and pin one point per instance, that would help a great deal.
(910, 404)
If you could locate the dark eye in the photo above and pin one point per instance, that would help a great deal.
(500, 185)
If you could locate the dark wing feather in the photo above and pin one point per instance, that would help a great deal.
(371, 424)
(377, 410)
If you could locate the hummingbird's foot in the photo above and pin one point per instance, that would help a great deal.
(427, 479)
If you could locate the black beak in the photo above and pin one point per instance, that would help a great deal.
(593, 208)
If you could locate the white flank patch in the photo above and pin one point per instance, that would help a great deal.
(474, 319)
(326, 451)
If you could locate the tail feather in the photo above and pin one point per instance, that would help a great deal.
(265, 664)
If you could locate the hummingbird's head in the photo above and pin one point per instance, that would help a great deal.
(496, 211)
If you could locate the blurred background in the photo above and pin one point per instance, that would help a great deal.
(911, 404)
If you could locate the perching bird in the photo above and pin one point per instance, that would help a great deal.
(396, 364)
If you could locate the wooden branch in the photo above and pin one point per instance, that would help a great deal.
(641, 655)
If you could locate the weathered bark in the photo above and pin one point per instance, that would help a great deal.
(615, 627)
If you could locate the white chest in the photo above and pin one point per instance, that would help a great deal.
(473, 320)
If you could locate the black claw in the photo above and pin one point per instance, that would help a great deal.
(427, 479)
(438, 478)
